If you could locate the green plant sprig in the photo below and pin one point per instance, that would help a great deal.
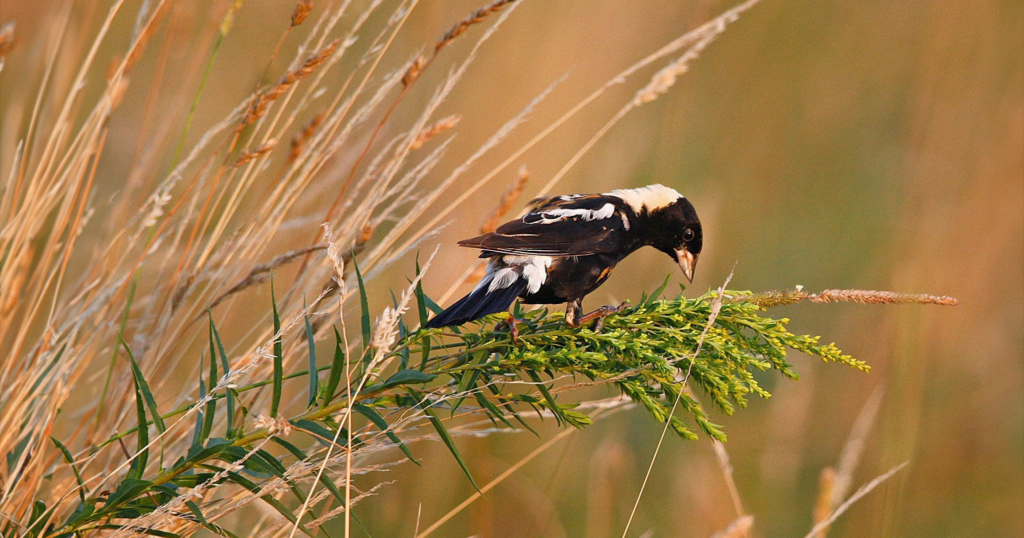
(641, 350)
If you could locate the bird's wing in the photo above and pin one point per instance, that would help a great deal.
(562, 226)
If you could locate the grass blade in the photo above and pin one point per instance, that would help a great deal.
(71, 461)
(211, 406)
(143, 386)
(275, 402)
(364, 305)
(379, 421)
(337, 367)
(228, 393)
(197, 432)
(314, 375)
(446, 438)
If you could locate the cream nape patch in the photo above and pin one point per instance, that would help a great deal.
(650, 197)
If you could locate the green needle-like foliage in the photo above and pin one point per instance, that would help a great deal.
(652, 352)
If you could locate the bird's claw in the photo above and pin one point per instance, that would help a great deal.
(599, 315)
(513, 328)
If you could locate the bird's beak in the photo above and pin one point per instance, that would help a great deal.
(687, 262)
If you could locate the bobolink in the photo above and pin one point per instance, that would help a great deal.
(567, 246)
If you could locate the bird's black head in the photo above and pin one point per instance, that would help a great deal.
(676, 231)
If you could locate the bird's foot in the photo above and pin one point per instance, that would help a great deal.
(598, 315)
(513, 328)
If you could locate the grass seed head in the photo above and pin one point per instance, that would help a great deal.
(302, 10)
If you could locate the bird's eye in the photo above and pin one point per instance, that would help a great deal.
(688, 234)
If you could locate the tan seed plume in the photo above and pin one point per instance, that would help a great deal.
(260, 103)
(430, 132)
(248, 156)
(788, 297)
(299, 141)
(302, 10)
(477, 16)
(508, 199)
(505, 204)
(413, 71)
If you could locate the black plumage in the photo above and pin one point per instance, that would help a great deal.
(567, 246)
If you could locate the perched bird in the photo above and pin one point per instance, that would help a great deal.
(566, 246)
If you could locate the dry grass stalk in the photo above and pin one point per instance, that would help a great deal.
(261, 273)
(7, 39)
(302, 10)
(412, 73)
(835, 482)
(460, 27)
(261, 102)
(788, 297)
(823, 504)
(739, 528)
(436, 129)
(249, 155)
(862, 491)
(507, 202)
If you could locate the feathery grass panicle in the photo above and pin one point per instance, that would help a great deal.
(302, 10)
(261, 101)
(249, 155)
(507, 202)
(460, 27)
(787, 297)
(438, 128)
(300, 139)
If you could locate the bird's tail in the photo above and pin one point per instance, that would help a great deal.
(479, 303)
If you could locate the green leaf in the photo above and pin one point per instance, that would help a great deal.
(492, 410)
(37, 519)
(321, 432)
(497, 393)
(71, 461)
(657, 293)
(421, 303)
(210, 412)
(401, 377)
(128, 489)
(113, 354)
(274, 503)
(275, 402)
(197, 432)
(364, 305)
(337, 368)
(228, 393)
(216, 529)
(551, 404)
(379, 421)
(434, 307)
(314, 375)
(143, 386)
(142, 530)
(139, 463)
(450, 443)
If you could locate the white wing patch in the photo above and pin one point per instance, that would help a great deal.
(650, 197)
(507, 270)
(558, 215)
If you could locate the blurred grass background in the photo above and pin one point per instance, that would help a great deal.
(865, 144)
